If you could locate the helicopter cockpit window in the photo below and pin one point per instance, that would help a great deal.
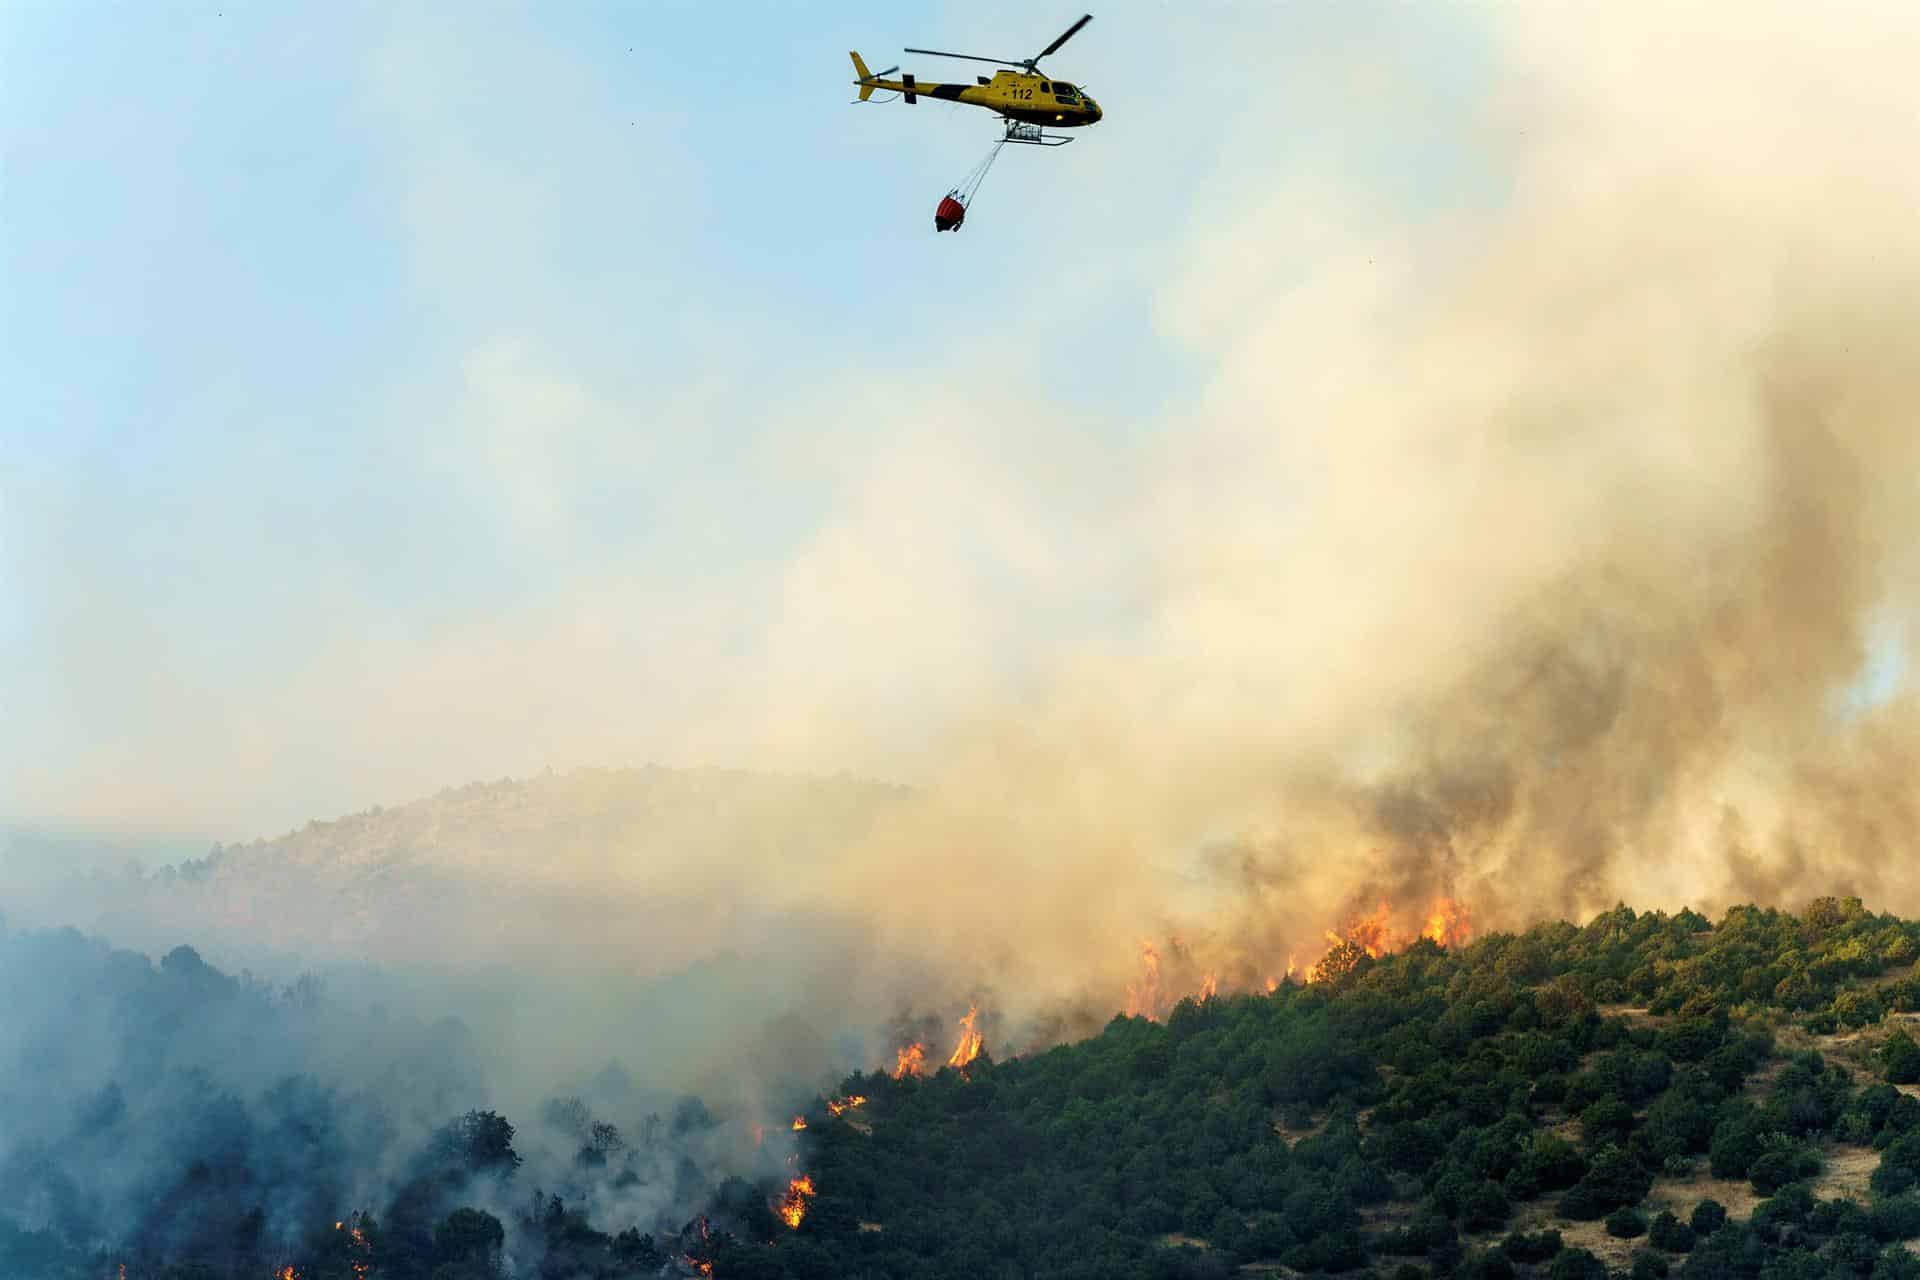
(1045, 87)
(1062, 91)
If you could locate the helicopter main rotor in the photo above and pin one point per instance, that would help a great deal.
(1030, 65)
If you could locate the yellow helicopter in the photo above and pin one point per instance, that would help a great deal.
(1027, 100)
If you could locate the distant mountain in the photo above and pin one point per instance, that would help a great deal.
(580, 866)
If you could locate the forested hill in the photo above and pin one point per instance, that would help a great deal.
(1648, 1093)
(527, 869)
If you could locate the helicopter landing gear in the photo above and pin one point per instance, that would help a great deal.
(1033, 135)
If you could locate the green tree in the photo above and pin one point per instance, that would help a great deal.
(479, 1142)
(470, 1239)
(1625, 1224)
(1648, 1265)
(1576, 1264)
(1670, 1234)
(1708, 1217)
(1900, 1059)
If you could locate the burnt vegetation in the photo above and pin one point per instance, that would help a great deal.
(1649, 1095)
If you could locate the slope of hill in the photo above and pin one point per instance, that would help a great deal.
(555, 864)
(1565, 1102)
(1646, 1094)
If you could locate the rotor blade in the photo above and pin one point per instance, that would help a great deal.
(968, 56)
(1065, 36)
(881, 75)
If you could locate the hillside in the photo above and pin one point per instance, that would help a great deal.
(1563, 1102)
(1644, 1094)
(482, 869)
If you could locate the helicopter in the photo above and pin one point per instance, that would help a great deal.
(1026, 99)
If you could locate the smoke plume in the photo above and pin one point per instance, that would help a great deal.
(1553, 552)
(1542, 540)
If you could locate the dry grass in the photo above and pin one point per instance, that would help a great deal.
(1846, 1172)
(1845, 1175)
(1294, 1137)
(1673, 1195)
(1174, 1240)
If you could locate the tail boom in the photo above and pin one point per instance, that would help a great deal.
(912, 90)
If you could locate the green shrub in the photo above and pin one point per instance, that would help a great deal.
(1537, 1246)
(1708, 1217)
(1671, 1234)
(1576, 1264)
(1895, 1219)
(1626, 1224)
(1900, 1059)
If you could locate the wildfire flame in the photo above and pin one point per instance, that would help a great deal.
(1143, 997)
(793, 1205)
(837, 1105)
(1375, 933)
(1371, 933)
(910, 1061)
(1446, 923)
(799, 1123)
(360, 1246)
(704, 1268)
(970, 1040)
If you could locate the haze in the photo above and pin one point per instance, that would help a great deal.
(1464, 452)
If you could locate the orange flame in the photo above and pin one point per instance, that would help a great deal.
(1447, 924)
(837, 1105)
(1144, 997)
(793, 1205)
(359, 1238)
(910, 1061)
(799, 1123)
(970, 1041)
(704, 1268)
(1374, 934)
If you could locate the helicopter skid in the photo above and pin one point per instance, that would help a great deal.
(1033, 135)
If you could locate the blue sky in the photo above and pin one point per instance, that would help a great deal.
(333, 334)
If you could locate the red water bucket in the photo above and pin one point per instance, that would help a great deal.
(950, 214)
